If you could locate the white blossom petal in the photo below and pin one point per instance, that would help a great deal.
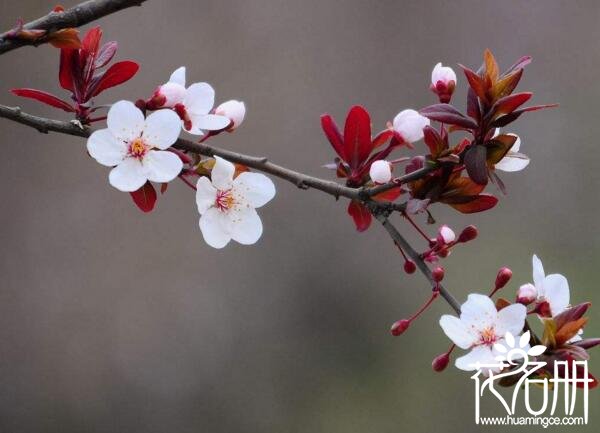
(456, 331)
(517, 144)
(162, 166)
(199, 98)
(233, 110)
(125, 120)
(246, 226)
(538, 273)
(208, 122)
(479, 354)
(105, 148)
(512, 163)
(511, 319)
(128, 176)
(256, 188)
(215, 228)
(409, 124)
(445, 74)
(178, 76)
(478, 311)
(222, 174)
(556, 292)
(161, 129)
(206, 194)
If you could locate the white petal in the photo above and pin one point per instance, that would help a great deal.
(511, 163)
(178, 76)
(162, 166)
(162, 129)
(173, 93)
(510, 339)
(517, 144)
(105, 148)
(511, 319)
(556, 292)
(233, 110)
(209, 122)
(524, 340)
(128, 176)
(214, 226)
(125, 120)
(479, 354)
(246, 226)
(222, 174)
(206, 194)
(256, 188)
(409, 124)
(538, 273)
(479, 312)
(199, 98)
(456, 331)
(441, 73)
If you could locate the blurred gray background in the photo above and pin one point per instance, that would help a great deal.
(116, 321)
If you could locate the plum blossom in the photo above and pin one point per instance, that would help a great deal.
(193, 105)
(553, 288)
(480, 327)
(380, 171)
(135, 146)
(513, 160)
(409, 124)
(234, 110)
(227, 206)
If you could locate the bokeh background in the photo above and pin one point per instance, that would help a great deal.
(116, 321)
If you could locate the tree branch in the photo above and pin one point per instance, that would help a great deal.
(76, 16)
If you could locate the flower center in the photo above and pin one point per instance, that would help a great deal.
(137, 148)
(224, 200)
(488, 336)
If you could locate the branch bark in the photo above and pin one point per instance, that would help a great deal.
(76, 16)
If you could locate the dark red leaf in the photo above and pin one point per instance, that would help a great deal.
(508, 104)
(44, 97)
(65, 74)
(509, 118)
(117, 74)
(507, 84)
(446, 113)
(333, 135)
(475, 163)
(480, 203)
(91, 40)
(360, 214)
(473, 108)
(519, 64)
(357, 136)
(475, 82)
(382, 138)
(433, 141)
(106, 53)
(145, 197)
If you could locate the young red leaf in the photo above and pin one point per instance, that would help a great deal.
(475, 83)
(473, 108)
(117, 74)
(480, 203)
(508, 104)
(446, 113)
(333, 135)
(145, 197)
(360, 214)
(382, 138)
(511, 117)
(91, 40)
(67, 61)
(475, 163)
(44, 97)
(105, 55)
(519, 64)
(357, 136)
(433, 141)
(507, 84)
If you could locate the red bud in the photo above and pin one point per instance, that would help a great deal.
(503, 277)
(440, 362)
(399, 327)
(410, 267)
(468, 234)
(438, 274)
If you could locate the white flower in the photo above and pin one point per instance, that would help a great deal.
(553, 288)
(444, 74)
(479, 327)
(446, 234)
(381, 171)
(513, 160)
(526, 294)
(409, 124)
(136, 146)
(234, 110)
(192, 104)
(227, 205)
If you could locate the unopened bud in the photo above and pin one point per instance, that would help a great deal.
(438, 274)
(503, 277)
(173, 93)
(410, 267)
(443, 82)
(526, 294)
(440, 362)
(409, 124)
(234, 110)
(445, 235)
(468, 234)
(381, 171)
(399, 327)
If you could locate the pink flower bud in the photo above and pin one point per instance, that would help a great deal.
(381, 172)
(526, 294)
(438, 274)
(440, 362)
(443, 82)
(235, 110)
(173, 94)
(409, 124)
(399, 327)
(445, 235)
(503, 277)
(468, 234)
(410, 267)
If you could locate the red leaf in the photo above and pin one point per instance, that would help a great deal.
(381, 138)
(106, 53)
(333, 135)
(509, 118)
(433, 141)
(91, 40)
(475, 163)
(475, 82)
(145, 197)
(389, 195)
(360, 214)
(446, 113)
(44, 97)
(357, 136)
(67, 60)
(519, 64)
(117, 74)
(509, 103)
(480, 203)
(473, 108)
